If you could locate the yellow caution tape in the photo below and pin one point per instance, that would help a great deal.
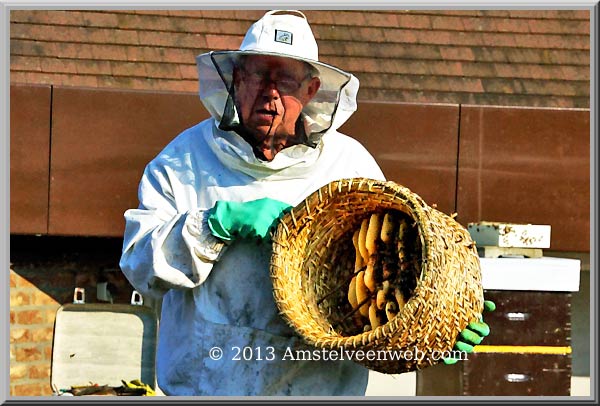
(529, 349)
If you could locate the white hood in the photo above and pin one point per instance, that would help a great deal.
(334, 102)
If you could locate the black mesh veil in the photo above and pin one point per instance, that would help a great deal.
(333, 103)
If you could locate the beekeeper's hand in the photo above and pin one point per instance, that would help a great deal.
(473, 335)
(254, 219)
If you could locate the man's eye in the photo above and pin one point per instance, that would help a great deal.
(288, 82)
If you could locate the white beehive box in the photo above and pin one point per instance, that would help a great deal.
(510, 235)
(104, 344)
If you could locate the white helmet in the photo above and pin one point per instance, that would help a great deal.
(282, 33)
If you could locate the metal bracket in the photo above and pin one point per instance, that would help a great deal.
(79, 296)
(136, 298)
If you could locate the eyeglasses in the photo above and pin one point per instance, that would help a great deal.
(284, 84)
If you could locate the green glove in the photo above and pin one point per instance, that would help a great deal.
(472, 335)
(254, 219)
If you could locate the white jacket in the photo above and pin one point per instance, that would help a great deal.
(220, 296)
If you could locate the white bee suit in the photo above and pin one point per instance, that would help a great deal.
(216, 295)
(220, 296)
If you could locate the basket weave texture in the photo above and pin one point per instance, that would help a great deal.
(313, 256)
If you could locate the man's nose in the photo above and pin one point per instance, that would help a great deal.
(270, 90)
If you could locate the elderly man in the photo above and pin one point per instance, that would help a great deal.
(199, 240)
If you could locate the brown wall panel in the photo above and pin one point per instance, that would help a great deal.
(527, 166)
(101, 142)
(29, 158)
(415, 145)
(516, 164)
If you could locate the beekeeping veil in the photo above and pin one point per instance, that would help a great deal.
(282, 33)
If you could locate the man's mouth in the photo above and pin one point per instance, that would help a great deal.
(266, 112)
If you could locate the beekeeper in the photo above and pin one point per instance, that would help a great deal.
(199, 240)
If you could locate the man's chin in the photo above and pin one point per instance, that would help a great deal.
(268, 155)
(262, 133)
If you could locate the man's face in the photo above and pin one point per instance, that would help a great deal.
(270, 95)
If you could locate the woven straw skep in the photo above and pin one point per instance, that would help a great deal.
(313, 256)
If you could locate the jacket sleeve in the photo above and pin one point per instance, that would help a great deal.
(163, 247)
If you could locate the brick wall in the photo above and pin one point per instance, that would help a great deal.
(492, 57)
(31, 318)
